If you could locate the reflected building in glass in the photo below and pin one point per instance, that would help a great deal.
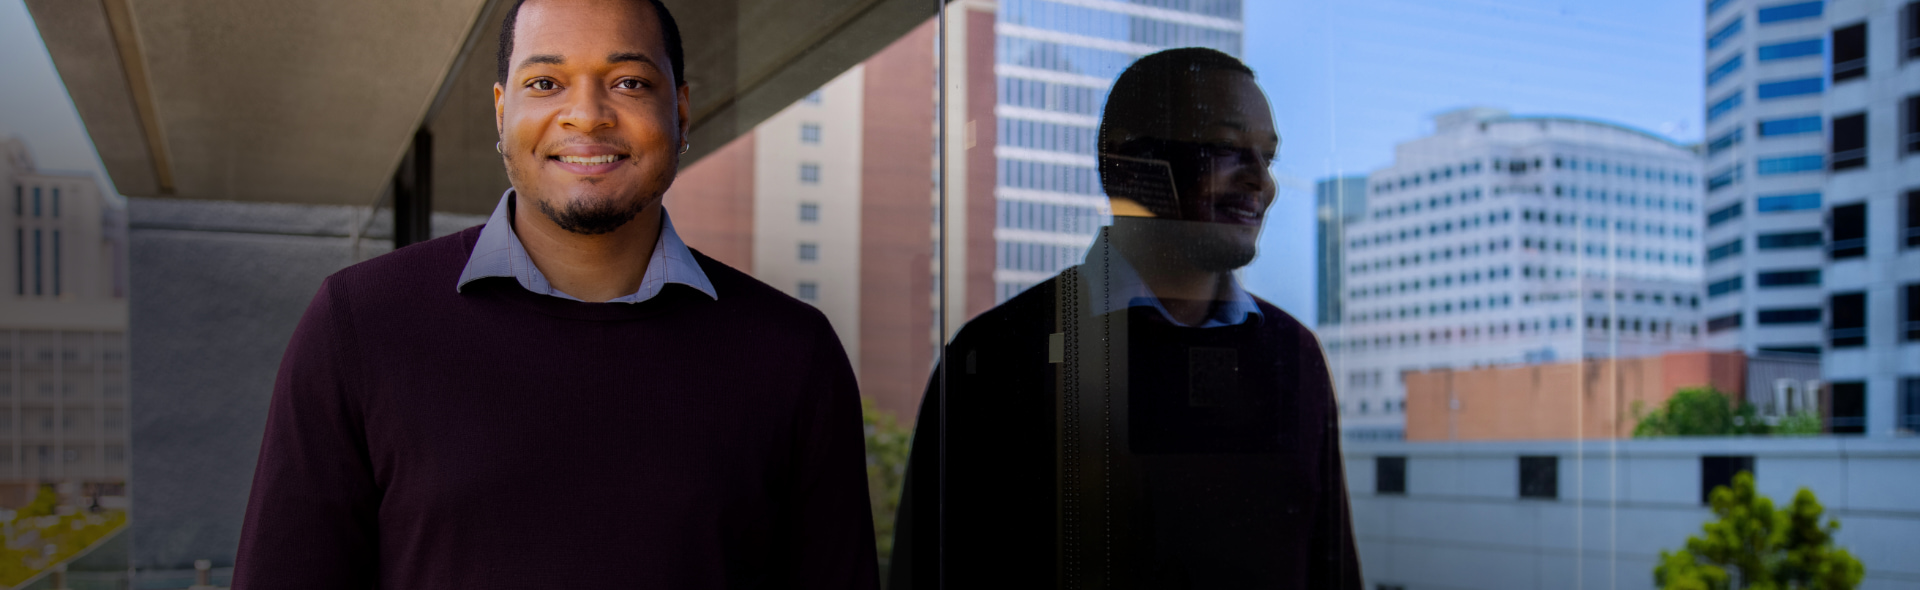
(1337, 201)
(1054, 62)
(1502, 239)
(1813, 196)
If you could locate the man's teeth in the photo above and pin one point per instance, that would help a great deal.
(589, 160)
(1242, 211)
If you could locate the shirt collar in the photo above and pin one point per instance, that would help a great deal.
(1125, 289)
(499, 253)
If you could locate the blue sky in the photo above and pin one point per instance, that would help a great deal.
(1348, 79)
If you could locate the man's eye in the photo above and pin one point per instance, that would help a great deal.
(542, 85)
(629, 84)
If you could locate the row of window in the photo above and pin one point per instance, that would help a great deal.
(38, 208)
(1653, 202)
(1060, 178)
(1092, 22)
(1625, 327)
(1845, 237)
(1439, 281)
(1057, 57)
(1540, 475)
(1050, 96)
(1846, 315)
(1473, 195)
(1641, 172)
(1050, 217)
(1438, 308)
(1765, 280)
(1436, 256)
(1029, 256)
(1593, 222)
(1054, 137)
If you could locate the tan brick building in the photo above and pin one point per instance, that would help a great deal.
(1590, 399)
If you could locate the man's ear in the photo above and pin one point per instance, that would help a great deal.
(686, 120)
(499, 110)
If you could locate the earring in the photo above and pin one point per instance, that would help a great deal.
(686, 146)
(496, 148)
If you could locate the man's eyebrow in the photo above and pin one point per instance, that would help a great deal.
(631, 56)
(553, 60)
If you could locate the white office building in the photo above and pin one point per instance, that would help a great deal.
(1813, 195)
(1055, 61)
(1503, 239)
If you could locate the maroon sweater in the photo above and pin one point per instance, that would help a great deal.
(425, 438)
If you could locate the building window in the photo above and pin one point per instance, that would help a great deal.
(1390, 475)
(810, 174)
(1788, 88)
(1723, 106)
(1717, 471)
(1783, 203)
(1723, 323)
(1792, 49)
(1849, 147)
(812, 97)
(1714, 6)
(36, 201)
(1790, 164)
(810, 133)
(1788, 240)
(1726, 68)
(1911, 327)
(808, 291)
(1849, 327)
(1729, 249)
(1791, 315)
(1910, 32)
(56, 202)
(1789, 126)
(1909, 404)
(56, 263)
(1910, 139)
(1912, 229)
(1723, 215)
(809, 212)
(1788, 278)
(809, 251)
(1723, 287)
(1720, 144)
(1849, 225)
(1540, 477)
(1725, 33)
(1789, 12)
(1847, 413)
(1723, 178)
(1809, 349)
(1849, 53)
(37, 270)
(20, 262)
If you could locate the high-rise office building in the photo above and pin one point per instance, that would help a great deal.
(1054, 62)
(63, 347)
(1502, 239)
(1813, 195)
(1337, 201)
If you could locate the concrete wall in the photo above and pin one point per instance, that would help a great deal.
(1461, 523)
(216, 290)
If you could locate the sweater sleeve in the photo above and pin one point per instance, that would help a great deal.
(1337, 563)
(310, 519)
(830, 543)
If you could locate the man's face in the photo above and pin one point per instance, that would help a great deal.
(1222, 142)
(590, 120)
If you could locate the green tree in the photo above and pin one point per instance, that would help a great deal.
(1755, 546)
(1698, 411)
(1799, 424)
(888, 445)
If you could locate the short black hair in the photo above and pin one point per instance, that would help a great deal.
(1142, 97)
(676, 57)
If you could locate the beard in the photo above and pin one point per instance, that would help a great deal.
(1204, 246)
(592, 217)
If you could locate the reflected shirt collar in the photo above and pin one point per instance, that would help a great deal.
(1125, 289)
(499, 253)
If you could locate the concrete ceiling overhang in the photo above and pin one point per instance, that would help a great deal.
(316, 102)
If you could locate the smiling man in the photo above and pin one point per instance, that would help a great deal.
(566, 396)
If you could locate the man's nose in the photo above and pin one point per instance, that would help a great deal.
(587, 109)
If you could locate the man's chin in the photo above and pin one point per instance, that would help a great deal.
(591, 216)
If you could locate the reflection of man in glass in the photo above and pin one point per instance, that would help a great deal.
(567, 396)
(1140, 420)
